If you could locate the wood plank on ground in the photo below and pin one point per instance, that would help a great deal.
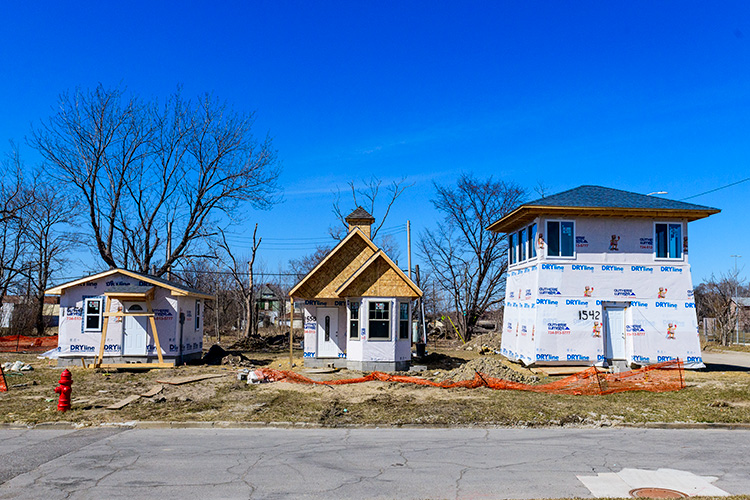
(153, 391)
(123, 403)
(189, 379)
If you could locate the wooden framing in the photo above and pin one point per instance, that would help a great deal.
(149, 313)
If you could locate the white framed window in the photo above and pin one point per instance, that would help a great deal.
(668, 240)
(354, 320)
(197, 315)
(531, 231)
(512, 238)
(403, 320)
(561, 238)
(523, 244)
(93, 309)
(379, 320)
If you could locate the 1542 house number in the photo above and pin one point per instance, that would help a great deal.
(592, 315)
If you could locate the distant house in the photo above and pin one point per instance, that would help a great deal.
(120, 316)
(357, 305)
(269, 304)
(741, 307)
(13, 303)
(600, 276)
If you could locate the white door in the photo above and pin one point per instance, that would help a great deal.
(328, 332)
(134, 332)
(614, 335)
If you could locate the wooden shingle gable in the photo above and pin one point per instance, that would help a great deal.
(340, 263)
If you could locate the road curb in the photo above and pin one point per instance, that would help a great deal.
(151, 424)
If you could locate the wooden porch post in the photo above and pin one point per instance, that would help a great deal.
(105, 318)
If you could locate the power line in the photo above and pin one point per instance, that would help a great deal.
(717, 189)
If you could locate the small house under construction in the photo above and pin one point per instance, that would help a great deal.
(357, 305)
(120, 316)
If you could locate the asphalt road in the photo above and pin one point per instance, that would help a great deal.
(365, 463)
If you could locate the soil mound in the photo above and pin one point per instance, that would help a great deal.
(491, 367)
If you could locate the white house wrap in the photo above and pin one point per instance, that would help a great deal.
(600, 276)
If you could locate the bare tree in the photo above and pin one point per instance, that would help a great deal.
(15, 197)
(50, 236)
(139, 165)
(467, 261)
(244, 282)
(713, 299)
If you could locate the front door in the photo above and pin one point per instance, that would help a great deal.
(134, 331)
(614, 334)
(328, 332)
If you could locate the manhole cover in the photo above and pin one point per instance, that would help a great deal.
(656, 493)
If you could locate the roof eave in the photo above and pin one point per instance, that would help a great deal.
(526, 213)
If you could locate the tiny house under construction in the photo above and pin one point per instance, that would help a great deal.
(357, 305)
(120, 316)
(600, 276)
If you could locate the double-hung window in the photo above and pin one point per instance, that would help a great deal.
(522, 245)
(403, 320)
(512, 239)
(560, 238)
(354, 320)
(92, 314)
(668, 240)
(532, 241)
(379, 320)
(197, 315)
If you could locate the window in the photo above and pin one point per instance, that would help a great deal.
(379, 320)
(197, 315)
(532, 241)
(522, 245)
(327, 328)
(560, 238)
(403, 320)
(92, 315)
(668, 240)
(353, 320)
(512, 249)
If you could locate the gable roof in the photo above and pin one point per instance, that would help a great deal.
(348, 260)
(401, 285)
(602, 202)
(175, 288)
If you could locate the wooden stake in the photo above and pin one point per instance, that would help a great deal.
(291, 331)
(98, 362)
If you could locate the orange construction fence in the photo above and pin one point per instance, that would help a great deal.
(22, 343)
(3, 384)
(662, 377)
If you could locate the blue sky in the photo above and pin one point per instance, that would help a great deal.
(642, 96)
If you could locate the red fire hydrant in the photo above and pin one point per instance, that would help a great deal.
(65, 391)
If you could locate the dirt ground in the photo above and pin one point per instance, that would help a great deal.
(709, 396)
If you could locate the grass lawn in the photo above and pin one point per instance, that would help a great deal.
(710, 397)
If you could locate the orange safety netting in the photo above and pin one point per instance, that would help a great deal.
(3, 384)
(22, 343)
(662, 377)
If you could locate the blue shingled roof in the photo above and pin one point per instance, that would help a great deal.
(602, 197)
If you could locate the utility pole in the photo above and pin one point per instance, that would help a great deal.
(736, 305)
(169, 250)
(408, 246)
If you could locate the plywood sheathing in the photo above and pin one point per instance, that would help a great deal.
(379, 277)
(336, 268)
